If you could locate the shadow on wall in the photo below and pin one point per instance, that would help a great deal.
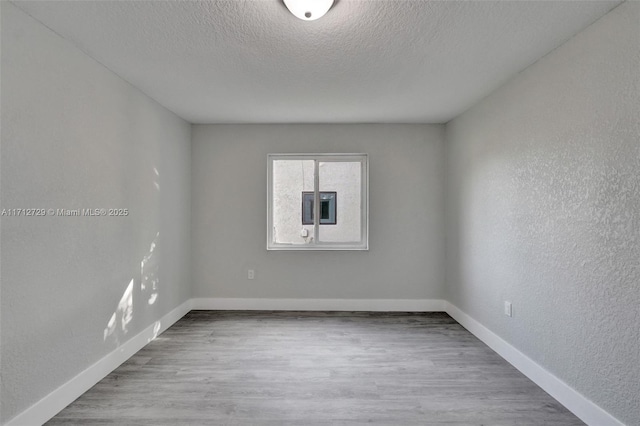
(118, 325)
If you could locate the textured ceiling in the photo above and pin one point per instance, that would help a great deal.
(365, 61)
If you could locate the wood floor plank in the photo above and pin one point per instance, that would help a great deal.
(315, 368)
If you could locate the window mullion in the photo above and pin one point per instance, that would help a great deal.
(316, 201)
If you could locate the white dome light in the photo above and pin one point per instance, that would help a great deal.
(308, 10)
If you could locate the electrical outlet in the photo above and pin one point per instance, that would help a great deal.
(507, 309)
(251, 274)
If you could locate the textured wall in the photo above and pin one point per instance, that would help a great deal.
(74, 135)
(405, 260)
(543, 199)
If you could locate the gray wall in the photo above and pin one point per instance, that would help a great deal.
(405, 260)
(543, 202)
(74, 135)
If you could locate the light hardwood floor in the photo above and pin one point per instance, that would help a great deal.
(315, 368)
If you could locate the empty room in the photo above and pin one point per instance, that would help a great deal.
(320, 212)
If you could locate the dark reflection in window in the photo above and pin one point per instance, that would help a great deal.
(327, 208)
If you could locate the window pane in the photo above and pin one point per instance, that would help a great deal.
(307, 208)
(290, 179)
(324, 209)
(344, 178)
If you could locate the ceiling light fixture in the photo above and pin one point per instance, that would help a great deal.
(308, 10)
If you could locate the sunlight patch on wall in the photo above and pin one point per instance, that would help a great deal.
(122, 316)
(149, 272)
(155, 182)
(117, 326)
(156, 330)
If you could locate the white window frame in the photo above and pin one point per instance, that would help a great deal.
(363, 244)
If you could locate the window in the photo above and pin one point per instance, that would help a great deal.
(317, 202)
(327, 208)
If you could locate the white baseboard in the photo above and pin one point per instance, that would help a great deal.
(372, 305)
(52, 404)
(574, 401)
